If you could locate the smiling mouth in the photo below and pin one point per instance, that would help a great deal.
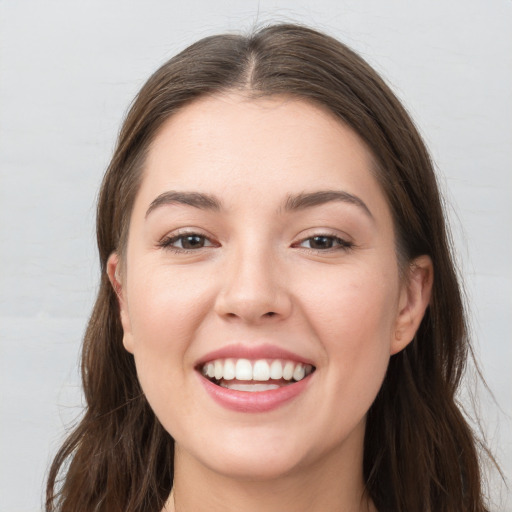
(253, 376)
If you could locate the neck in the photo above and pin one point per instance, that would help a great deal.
(334, 485)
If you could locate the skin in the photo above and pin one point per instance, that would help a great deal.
(258, 280)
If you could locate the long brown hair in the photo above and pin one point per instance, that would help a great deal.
(419, 453)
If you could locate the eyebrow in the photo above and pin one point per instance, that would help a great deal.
(295, 202)
(195, 199)
(311, 199)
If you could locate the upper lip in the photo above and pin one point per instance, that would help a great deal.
(253, 352)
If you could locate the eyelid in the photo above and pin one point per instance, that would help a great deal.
(344, 242)
(166, 241)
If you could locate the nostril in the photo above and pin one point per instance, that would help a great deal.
(270, 313)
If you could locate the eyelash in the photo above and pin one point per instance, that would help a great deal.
(167, 243)
(341, 244)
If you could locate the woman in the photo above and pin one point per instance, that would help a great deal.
(279, 325)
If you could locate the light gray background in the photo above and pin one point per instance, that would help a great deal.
(68, 70)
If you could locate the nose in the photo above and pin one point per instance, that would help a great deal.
(253, 289)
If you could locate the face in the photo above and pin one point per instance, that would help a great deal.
(260, 291)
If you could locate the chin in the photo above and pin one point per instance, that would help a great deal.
(256, 466)
(247, 453)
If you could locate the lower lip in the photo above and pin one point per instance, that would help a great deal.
(254, 401)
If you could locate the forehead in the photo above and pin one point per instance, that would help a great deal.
(256, 150)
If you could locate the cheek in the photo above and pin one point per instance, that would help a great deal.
(166, 306)
(354, 320)
(166, 309)
(354, 305)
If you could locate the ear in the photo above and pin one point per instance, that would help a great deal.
(116, 280)
(414, 299)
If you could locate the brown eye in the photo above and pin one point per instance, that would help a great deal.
(325, 243)
(321, 242)
(192, 241)
(186, 242)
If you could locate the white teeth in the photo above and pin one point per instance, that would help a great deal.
(229, 369)
(299, 373)
(219, 369)
(261, 370)
(276, 370)
(288, 370)
(243, 369)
